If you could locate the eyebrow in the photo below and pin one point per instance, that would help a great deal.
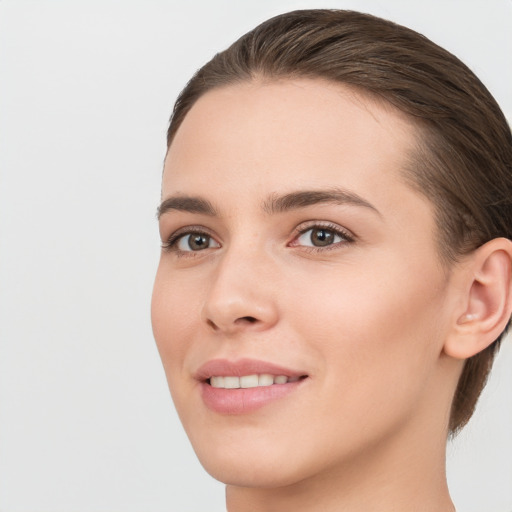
(305, 198)
(186, 204)
(274, 204)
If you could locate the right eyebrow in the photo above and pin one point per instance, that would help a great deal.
(305, 198)
(186, 204)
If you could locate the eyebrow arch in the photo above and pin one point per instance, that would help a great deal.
(305, 198)
(186, 204)
(274, 204)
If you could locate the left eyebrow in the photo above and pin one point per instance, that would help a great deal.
(305, 198)
(186, 204)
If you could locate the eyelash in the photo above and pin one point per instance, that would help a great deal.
(171, 244)
(347, 236)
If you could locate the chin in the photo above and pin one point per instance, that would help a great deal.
(264, 459)
(257, 460)
(249, 473)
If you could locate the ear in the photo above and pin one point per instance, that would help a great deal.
(486, 303)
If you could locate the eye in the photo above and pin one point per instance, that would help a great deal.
(318, 237)
(190, 242)
(322, 236)
(195, 242)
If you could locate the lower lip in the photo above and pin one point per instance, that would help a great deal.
(245, 400)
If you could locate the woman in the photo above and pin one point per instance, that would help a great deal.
(335, 275)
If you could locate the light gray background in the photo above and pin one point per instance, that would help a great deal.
(86, 88)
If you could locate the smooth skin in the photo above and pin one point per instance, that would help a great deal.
(349, 290)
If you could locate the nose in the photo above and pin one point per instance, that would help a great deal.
(241, 296)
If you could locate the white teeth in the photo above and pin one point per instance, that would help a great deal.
(231, 382)
(249, 381)
(217, 382)
(265, 379)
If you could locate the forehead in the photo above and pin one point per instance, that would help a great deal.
(260, 137)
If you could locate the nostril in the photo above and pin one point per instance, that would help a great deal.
(227, 326)
(246, 319)
(211, 324)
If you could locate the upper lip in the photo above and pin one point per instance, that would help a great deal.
(241, 367)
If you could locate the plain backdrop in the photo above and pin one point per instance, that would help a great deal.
(86, 89)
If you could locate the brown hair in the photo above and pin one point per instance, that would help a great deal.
(463, 160)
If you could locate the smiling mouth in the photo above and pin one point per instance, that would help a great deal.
(246, 385)
(250, 381)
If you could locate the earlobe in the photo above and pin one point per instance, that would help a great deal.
(487, 301)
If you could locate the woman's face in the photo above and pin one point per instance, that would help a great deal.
(295, 253)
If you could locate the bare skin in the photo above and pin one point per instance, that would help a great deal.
(345, 288)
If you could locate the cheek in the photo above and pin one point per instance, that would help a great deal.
(378, 336)
(173, 317)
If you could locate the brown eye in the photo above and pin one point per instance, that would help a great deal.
(195, 242)
(320, 237)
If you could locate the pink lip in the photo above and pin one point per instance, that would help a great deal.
(243, 401)
(223, 367)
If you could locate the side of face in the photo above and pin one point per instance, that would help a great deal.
(291, 240)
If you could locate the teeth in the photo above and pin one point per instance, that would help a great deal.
(249, 381)
(217, 382)
(265, 379)
(231, 382)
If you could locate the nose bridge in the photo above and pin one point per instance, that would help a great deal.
(240, 294)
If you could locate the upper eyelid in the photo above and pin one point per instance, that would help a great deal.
(185, 230)
(306, 226)
(171, 240)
